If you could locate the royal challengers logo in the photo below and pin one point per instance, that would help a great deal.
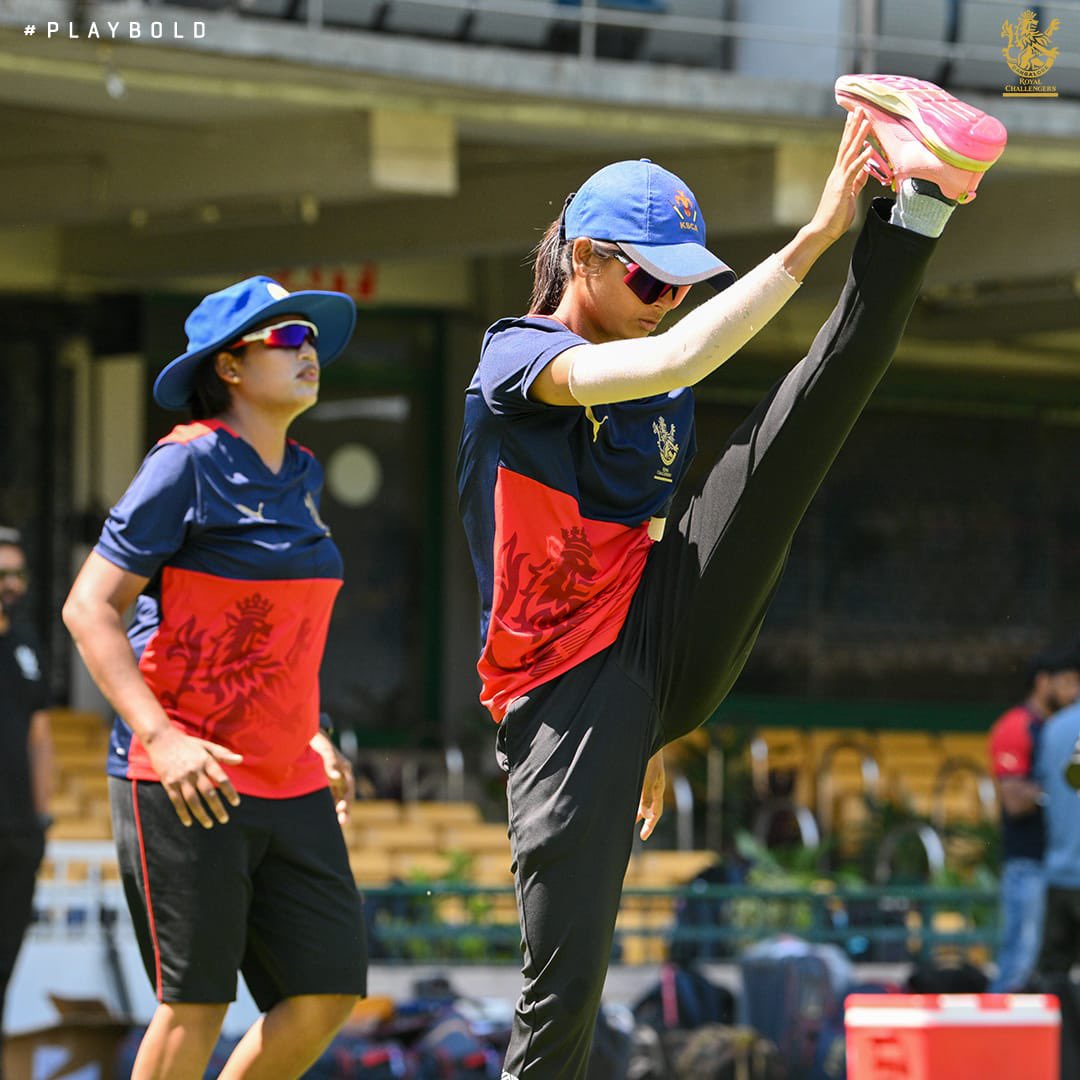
(686, 210)
(668, 447)
(1029, 55)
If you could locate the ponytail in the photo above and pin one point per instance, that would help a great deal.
(551, 270)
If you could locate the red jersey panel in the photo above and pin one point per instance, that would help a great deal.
(562, 587)
(237, 662)
(1011, 743)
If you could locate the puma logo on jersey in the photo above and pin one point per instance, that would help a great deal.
(249, 514)
(596, 424)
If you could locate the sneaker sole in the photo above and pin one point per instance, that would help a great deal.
(903, 107)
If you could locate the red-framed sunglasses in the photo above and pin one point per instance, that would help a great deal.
(644, 286)
(283, 335)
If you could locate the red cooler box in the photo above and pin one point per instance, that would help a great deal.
(952, 1036)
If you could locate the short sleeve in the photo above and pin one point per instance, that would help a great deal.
(150, 522)
(512, 359)
(1011, 747)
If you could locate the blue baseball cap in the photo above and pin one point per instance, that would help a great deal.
(653, 216)
(222, 317)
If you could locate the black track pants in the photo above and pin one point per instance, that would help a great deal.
(576, 748)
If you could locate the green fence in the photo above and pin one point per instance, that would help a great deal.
(886, 924)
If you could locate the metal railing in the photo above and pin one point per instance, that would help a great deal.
(477, 924)
(416, 923)
(854, 30)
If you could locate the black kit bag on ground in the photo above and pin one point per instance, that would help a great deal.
(722, 1052)
(789, 1000)
(609, 1058)
(350, 1055)
(450, 1051)
(684, 999)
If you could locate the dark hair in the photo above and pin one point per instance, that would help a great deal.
(551, 269)
(1057, 658)
(210, 396)
(555, 264)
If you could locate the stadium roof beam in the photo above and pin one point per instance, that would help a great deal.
(64, 169)
(501, 211)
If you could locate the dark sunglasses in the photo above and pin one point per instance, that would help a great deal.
(644, 286)
(283, 335)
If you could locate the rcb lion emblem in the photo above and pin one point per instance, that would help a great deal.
(1029, 53)
(669, 448)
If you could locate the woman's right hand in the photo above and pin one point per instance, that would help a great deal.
(190, 772)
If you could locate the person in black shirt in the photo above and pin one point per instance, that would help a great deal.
(25, 762)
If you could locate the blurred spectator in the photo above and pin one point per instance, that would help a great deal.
(1061, 926)
(1054, 682)
(25, 762)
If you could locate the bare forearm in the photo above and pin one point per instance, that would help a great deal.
(40, 749)
(1019, 796)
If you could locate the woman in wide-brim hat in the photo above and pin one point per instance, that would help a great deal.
(226, 796)
(605, 635)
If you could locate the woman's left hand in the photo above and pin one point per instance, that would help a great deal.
(652, 794)
(839, 199)
(338, 772)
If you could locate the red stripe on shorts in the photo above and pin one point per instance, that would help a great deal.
(146, 889)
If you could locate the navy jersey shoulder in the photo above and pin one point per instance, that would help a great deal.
(622, 462)
(204, 501)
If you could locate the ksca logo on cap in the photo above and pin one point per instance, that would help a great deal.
(686, 210)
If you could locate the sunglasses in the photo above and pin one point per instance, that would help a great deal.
(283, 335)
(644, 286)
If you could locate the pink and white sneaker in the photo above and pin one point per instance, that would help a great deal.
(921, 131)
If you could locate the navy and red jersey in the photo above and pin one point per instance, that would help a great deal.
(230, 631)
(556, 503)
(1014, 740)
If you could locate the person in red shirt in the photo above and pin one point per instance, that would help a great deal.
(1054, 682)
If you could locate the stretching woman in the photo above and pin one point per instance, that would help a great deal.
(605, 635)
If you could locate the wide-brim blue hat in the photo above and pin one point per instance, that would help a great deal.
(222, 317)
(653, 216)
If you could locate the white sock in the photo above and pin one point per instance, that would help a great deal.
(921, 207)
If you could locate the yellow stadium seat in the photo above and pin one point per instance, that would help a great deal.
(399, 837)
(88, 723)
(442, 813)
(369, 866)
(967, 744)
(424, 864)
(79, 760)
(492, 869)
(665, 869)
(371, 811)
(643, 948)
(475, 838)
(90, 828)
(66, 803)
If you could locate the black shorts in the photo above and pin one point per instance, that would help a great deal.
(269, 894)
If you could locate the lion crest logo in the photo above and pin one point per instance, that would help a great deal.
(665, 441)
(1029, 53)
